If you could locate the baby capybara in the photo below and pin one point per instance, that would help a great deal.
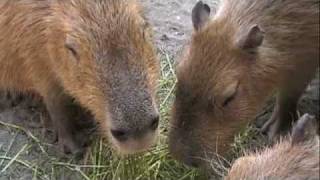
(98, 52)
(234, 63)
(293, 158)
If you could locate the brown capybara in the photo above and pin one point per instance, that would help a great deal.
(237, 60)
(97, 52)
(293, 158)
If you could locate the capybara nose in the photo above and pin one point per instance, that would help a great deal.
(123, 135)
(155, 122)
(120, 135)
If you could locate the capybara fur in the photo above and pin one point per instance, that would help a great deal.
(293, 158)
(98, 53)
(235, 62)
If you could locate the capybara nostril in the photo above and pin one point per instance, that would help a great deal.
(155, 122)
(120, 135)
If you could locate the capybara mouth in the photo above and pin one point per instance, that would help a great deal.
(134, 145)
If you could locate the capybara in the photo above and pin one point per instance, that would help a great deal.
(293, 158)
(98, 53)
(235, 62)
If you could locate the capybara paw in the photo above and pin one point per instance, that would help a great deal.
(271, 128)
(70, 147)
(49, 134)
(274, 129)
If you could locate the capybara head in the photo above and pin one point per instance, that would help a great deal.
(102, 54)
(296, 157)
(216, 94)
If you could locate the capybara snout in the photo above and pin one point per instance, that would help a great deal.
(117, 68)
(136, 111)
(133, 118)
(113, 68)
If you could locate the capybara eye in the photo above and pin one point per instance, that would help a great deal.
(230, 93)
(73, 51)
(229, 100)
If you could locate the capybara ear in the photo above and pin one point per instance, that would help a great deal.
(305, 129)
(200, 15)
(251, 40)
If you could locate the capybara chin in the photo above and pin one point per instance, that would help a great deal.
(98, 52)
(293, 158)
(235, 62)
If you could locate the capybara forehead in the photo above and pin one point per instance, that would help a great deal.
(206, 81)
(114, 34)
(209, 67)
(112, 24)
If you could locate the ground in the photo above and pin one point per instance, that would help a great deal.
(26, 155)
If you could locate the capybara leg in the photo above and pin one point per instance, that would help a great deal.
(58, 110)
(285, 111)
(282, 117)
(49, 131)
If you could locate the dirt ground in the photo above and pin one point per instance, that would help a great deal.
(172, 24)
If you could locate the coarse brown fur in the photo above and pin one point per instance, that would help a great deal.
(287, 160)
(248, 51)
(97, 52)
